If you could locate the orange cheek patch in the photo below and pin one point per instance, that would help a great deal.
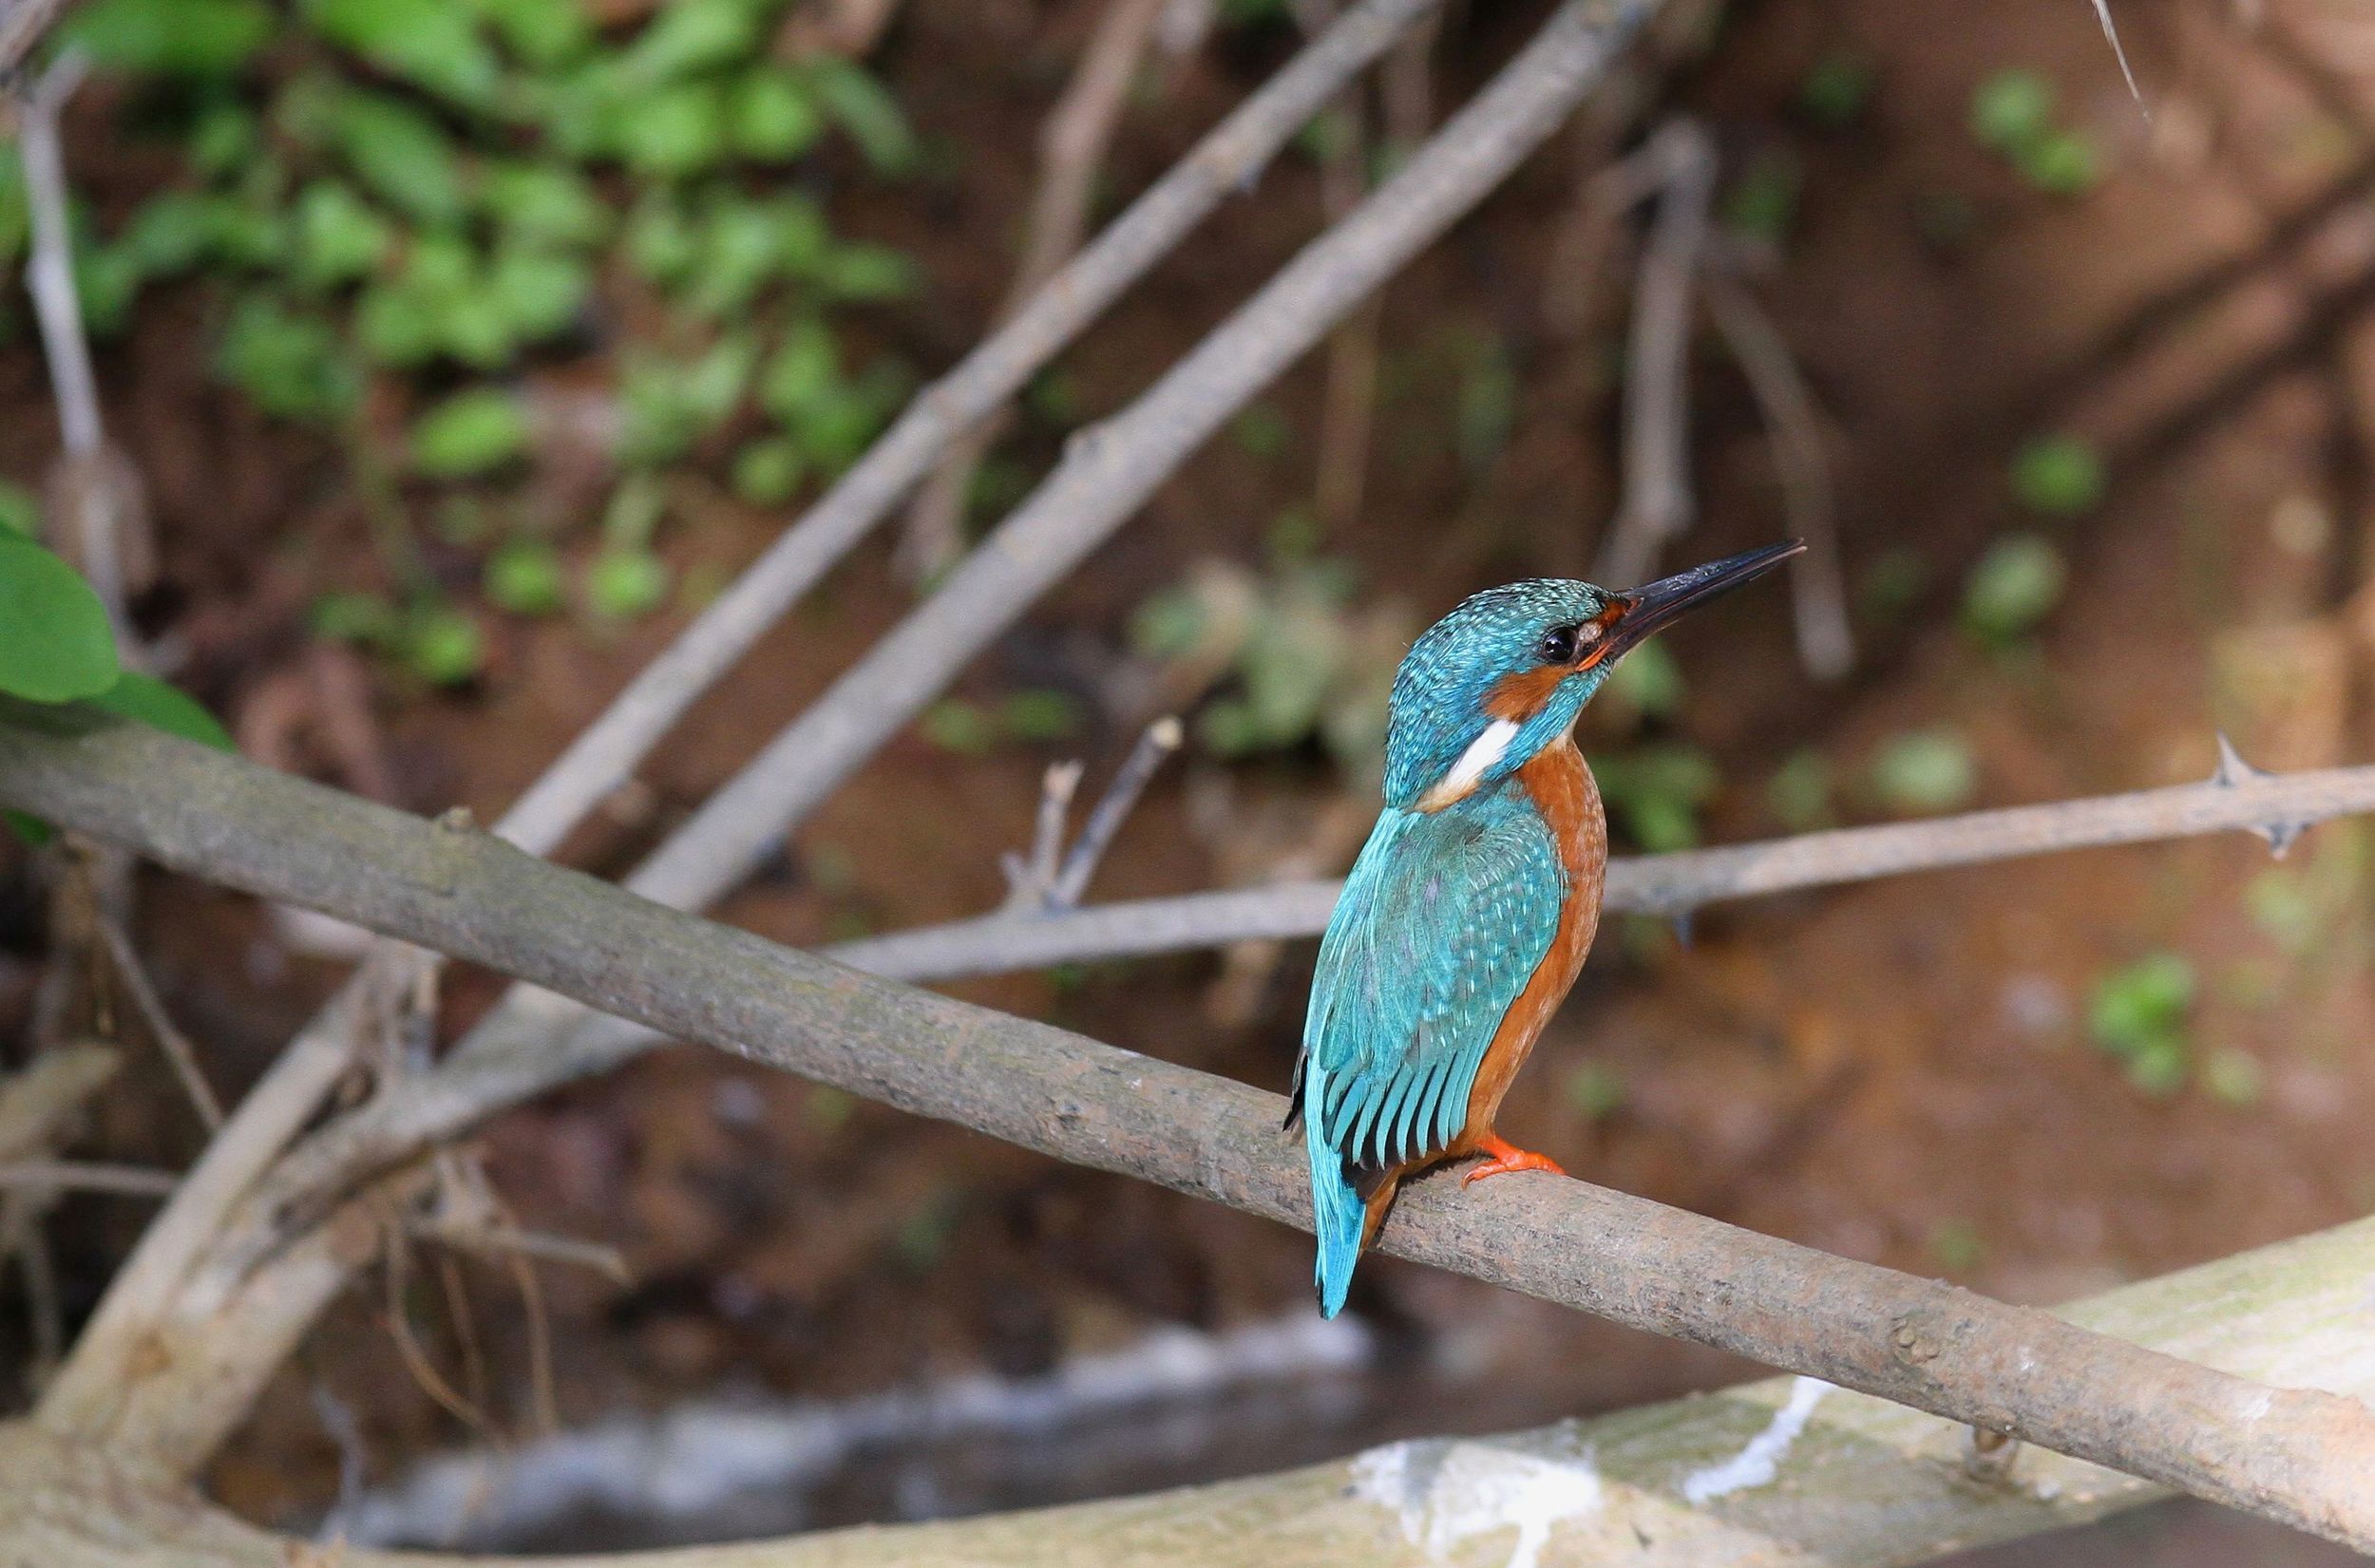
(1518, 697)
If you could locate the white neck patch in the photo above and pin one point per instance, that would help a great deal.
(1460, 779)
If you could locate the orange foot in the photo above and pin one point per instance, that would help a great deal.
(1500, 1159)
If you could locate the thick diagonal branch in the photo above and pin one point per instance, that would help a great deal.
(2291, 1455)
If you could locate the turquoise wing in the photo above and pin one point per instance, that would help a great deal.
(1442, 922)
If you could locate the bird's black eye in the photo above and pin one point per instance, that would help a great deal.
(1558, 645)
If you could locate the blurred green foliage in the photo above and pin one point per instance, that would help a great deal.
(427, 204)
(1923, 772)
(2013, 115)
(2014, 586)
(2141, 1017)
(2058, 476)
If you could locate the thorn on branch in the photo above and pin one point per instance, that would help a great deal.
(2234, 772)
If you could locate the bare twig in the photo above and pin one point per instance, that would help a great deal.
(87, 1176)
(49, 276)
(1072, 150)
(1666, 885)
(1657, 503)
(1031, 878)
(22, 23)
(503, 1240)
(1826, 644)
(2111, 34)
(600, 760)
(1050, 878)
(1161, 739)
(2294, 1456)
(176, 1046)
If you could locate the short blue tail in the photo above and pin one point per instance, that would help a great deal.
(1338, 1215)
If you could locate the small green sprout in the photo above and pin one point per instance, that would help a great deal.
(2014, 586)
(2058, 476)
(1923, 772)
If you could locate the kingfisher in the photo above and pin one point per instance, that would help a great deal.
(1464, 921)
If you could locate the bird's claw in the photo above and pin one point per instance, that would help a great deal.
(1501, 1159)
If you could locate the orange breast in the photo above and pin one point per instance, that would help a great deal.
(1569, 799)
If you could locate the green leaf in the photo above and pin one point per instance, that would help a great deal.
(2060, 475)
(2015, 585)
(678, 131)
(224, 139)
(16, 219)
(862, 273)
(1835, 93)
(804, 373)
(954, 724)
(525, 578)
(2012, 110)
(292, 365)
(626, 584)
(866, 113)
(2063, 164)
(198, 38)
(55, 643)
(768, 472)
(1041, 716)
(107, 279)
(771, 116)
(661, 242)
(441, 645)
(670, 404)
(151, 702)
(1762, 202)
(1923, 772)
(31, 831)
(433, 43)
(402, 154)
(173, 232)
(340, 238)
(19, 511)
(741, 249)
(353, 617)
(692, 35)
(1799, 794)
(470, 433)
(543, 33)
(1648, 681)
(544, 204)
(541, 291)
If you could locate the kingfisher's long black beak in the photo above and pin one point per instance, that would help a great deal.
(1645, 608)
